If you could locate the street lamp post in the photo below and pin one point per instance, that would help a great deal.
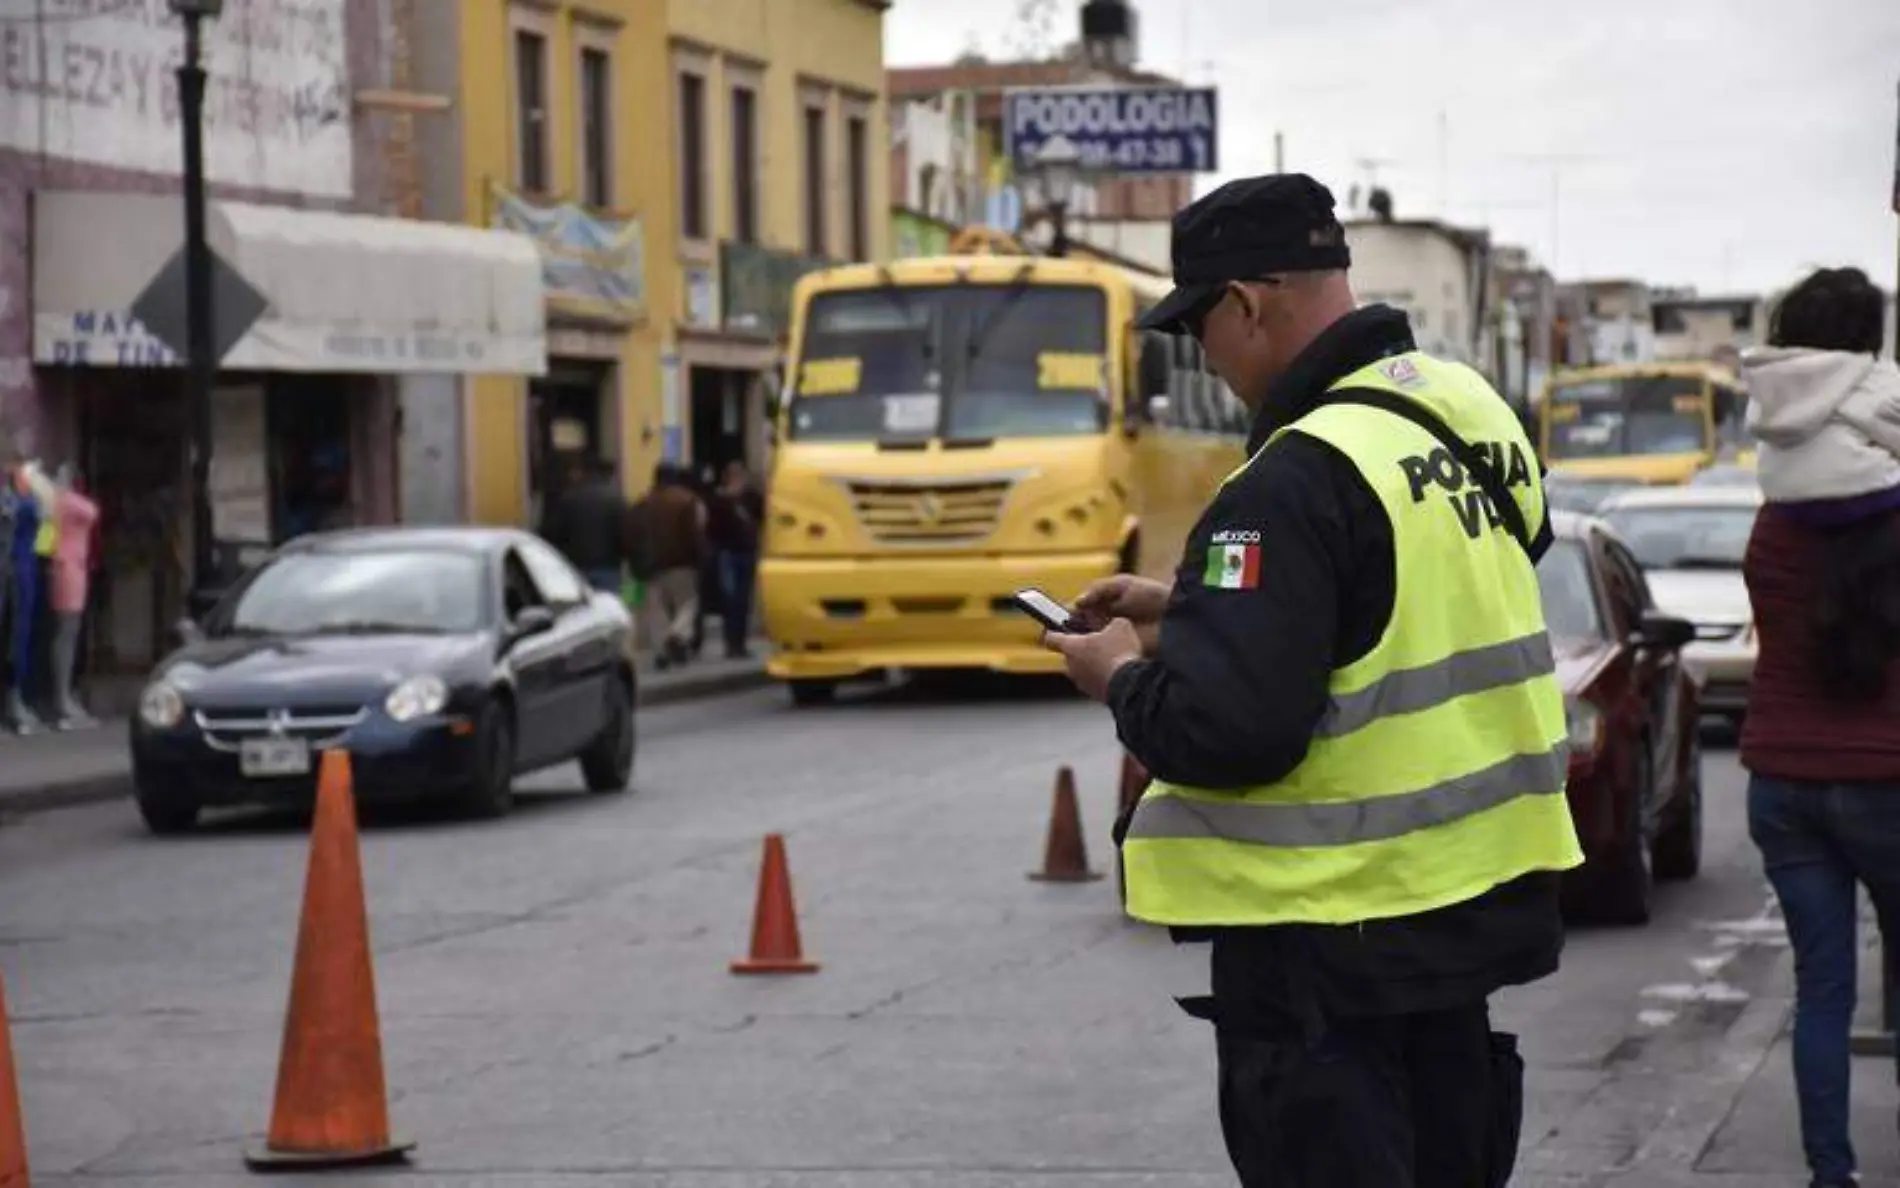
(201, 367)
(1057, 169)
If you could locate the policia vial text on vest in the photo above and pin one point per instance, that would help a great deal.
(1352, 717)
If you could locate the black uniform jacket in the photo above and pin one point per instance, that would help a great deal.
(1239, 681)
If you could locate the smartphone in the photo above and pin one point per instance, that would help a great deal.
(1044, 609)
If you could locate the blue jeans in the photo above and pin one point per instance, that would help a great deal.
(1817, 841)
(736, 572)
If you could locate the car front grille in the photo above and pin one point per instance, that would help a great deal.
(320, 726)
(935, 513)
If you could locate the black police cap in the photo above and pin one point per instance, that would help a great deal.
(1247, 229)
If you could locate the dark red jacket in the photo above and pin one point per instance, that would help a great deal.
(1795, 728)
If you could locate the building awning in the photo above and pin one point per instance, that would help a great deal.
(341, 292)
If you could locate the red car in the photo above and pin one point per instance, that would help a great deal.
(1634, 710)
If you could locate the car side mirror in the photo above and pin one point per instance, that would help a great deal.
(533, 620)
(187, 631)
(1664, 632)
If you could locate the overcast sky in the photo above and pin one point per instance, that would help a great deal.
(1727, 144)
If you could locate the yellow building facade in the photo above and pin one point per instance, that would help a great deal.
(781, 164)
(560, 134)
(680, 162)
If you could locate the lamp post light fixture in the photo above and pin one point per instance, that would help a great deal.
(1057, 169)
(201, 367)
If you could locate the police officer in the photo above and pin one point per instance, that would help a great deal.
(1352, 719)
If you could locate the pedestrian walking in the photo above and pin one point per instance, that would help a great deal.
(737, 513)
(673, 526)
(1822, 738)
(1351, 715)
(583, 520)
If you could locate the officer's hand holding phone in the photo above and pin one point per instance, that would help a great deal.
(1092, 656)
(1142, 601)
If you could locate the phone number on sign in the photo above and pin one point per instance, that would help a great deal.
(1147, 152)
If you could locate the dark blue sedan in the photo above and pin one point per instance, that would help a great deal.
(445, 661)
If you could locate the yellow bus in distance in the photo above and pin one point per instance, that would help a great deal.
(958, 428)
(1643, 423)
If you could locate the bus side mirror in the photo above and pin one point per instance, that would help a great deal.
(1156, 365)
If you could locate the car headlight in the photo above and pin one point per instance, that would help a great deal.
(417, 697)
(160, 706)
(1584, 723)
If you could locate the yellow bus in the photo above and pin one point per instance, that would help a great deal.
(1642, 423)
(954, 429)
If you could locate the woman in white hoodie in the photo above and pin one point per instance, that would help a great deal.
(1822, 738)
(1827, 418)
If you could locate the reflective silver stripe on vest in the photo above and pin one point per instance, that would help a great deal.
(1410, 690)
(1347, 822)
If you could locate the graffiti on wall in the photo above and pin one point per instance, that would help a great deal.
(93, 81)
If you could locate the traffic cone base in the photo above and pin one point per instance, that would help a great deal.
(776, 948)
(331, 1107)
(774, 967)
(1065, 856)
(264, 1159)
(1065, 876)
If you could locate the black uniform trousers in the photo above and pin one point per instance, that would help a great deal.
(1428, 1099)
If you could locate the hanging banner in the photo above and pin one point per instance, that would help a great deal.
(592, 265)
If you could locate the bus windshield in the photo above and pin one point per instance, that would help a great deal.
(957, 362)
(1628, 415)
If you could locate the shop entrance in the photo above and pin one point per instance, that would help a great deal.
(569, 416)
(722, 417)
(312, 482)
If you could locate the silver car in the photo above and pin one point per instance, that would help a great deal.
(1690, 542)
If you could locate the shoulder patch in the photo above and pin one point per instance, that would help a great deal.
(1233, 560)
(1402, 372)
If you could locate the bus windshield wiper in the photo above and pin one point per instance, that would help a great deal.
(1018, 286)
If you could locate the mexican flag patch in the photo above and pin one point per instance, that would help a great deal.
(1232, 566)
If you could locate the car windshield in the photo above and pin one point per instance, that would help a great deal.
(1628, 415)
(334, 592)
(959, 362)
(1582, 495)
(1570, 604)
(1685, 537)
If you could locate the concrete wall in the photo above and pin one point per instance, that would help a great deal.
(80, 91)
(1426, 273)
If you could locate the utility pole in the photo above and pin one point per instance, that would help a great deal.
(1555, 162)
(1279, 151)
(201, 365)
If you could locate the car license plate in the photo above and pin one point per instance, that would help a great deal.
(274, 757)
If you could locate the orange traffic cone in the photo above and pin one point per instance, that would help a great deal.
(13, 1173)
(775, 944)
(1065, 856)
(332, 1109)
(1134, 781)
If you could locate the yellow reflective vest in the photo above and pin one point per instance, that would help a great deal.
(1437, 770)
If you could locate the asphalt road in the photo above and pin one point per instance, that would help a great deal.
(557, 1009)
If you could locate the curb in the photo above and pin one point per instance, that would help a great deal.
(66, 793)
(693, 688)
(95, 788)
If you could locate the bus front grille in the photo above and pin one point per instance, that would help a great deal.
(940, 513)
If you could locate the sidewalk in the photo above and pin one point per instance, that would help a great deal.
(59, 769)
